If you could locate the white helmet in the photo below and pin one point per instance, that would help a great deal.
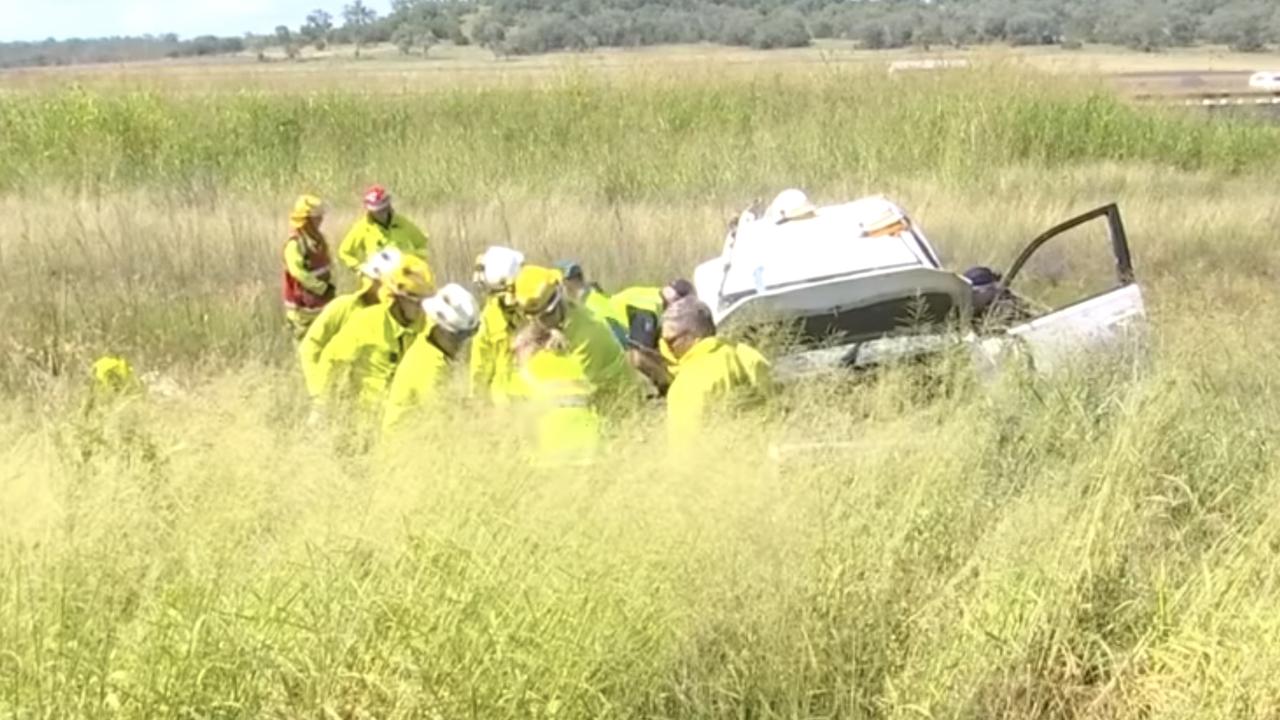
(380, 263)
(497, 268)
(453, 308)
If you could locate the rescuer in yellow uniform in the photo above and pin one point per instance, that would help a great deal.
(380, 227)
(712, 375)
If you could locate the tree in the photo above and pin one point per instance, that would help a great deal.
(317, 28)
(871, 36)
(489, 33)
(781, 29)
(1240, 26)
(410, 35)
(357, 18)
(1032, 28)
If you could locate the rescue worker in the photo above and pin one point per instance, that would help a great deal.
(335, 314)
(551, 385)
(378, 228)
(541, 298)
(308, 285)
(358, 364)
(646, 351)
(491, 351)
(452, 317)
(590, 296)
(712, 374)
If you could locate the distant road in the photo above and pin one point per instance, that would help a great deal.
(1184, 82)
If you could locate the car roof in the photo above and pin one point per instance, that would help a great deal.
(864, 236)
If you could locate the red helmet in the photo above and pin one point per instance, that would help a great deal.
(376, 198)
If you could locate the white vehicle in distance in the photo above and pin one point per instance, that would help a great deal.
(1266, 80)
(859, 286)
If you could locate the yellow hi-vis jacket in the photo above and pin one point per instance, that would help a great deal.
(367, 237)
(323, 329)
(554, 389)
(492, 351)
(648, 299)
(600, 305)
(418, 381)
(603, 360)
(359, 362)
(714, 375)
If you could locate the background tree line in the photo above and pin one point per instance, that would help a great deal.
(522, 27)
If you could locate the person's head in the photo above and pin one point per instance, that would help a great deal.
(575, 281)
(686, 322)
(454, 317)
(534, 338)
(373, 269)
(677, 290)
(496, 269)
(539, 295)
(406, 287)
(377, 202)
(986, 287)
(307, 214)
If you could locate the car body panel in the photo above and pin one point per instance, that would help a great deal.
(865, 288)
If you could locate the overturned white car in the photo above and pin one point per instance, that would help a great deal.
(859, 285)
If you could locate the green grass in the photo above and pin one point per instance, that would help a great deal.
(653, 138)
(1096, 545)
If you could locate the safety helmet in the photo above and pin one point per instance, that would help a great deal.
(454, 309)
(305, 208)
(113, 374)
(380, 263)
(412, 278)
(497, 267)
(538, 290)
(376, 198)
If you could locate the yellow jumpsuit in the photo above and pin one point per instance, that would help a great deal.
(358, 363)
(554, 389)
(417, 382)
(367, 237)
(713, 375)
(323, 329)
(603, 360)
(492, 355)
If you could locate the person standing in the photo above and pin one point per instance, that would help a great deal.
(308, 284)
(380, 227)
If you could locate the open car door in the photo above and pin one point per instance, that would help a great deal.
(1107, 316)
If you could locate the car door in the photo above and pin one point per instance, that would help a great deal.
(1109, 316)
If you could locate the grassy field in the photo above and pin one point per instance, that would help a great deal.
(1090, 546)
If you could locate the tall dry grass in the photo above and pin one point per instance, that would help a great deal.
(1096, 545)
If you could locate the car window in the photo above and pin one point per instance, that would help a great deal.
(1077, 260)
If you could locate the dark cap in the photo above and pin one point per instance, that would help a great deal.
(571, 269)
(981, 275)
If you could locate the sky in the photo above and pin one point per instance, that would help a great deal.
(39, 19)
